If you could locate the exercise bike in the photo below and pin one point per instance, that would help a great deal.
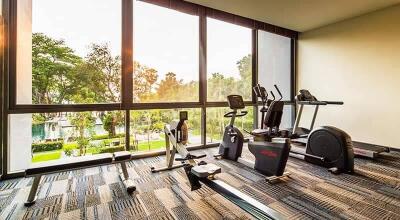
(270, 156)
(325, 146)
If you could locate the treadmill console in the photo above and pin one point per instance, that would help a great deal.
(235, 102)
(305, 95)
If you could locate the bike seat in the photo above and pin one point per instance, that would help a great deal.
(204, 171)
(259, 132)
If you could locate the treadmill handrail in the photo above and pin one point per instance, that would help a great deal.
(320, 102)
(334, 102)
(311, 103)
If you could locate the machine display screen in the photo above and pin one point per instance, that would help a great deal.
(235, 102)
(183, 115)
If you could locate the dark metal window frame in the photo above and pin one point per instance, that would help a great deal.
(9, 93)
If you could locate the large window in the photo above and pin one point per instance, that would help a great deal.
(79, 70)
(286, 121)
(229, 60)
(51, 136)
(274, 68)
(216, 123)
(274, 55)
(147, 127)
(68, 51)
(166, 53)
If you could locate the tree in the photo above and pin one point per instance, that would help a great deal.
(169, 88)
(245, 70)
(82, 121)
(144, 79)
(111, 120)
(100, 79)
(107, 71)
(219, 87)
(52, 62)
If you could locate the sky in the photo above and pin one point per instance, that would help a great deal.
(164, 39)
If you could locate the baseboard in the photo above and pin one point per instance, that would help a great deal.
(12, 175)
(395, 149)
(359, 143)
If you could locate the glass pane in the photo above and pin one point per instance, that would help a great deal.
(274, 62)
(166, 55)
(50, 136)
(229, 60)
(216, 123)
(286, 121)
(68, 51)
(147, 127)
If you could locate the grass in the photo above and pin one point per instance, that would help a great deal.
(54, 155)
(46, 156)
(154, 145)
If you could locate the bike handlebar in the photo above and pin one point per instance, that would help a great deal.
(231, 114)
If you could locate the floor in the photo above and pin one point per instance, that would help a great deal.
(310, 192)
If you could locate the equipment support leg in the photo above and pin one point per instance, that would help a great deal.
(32, 194)
(124, 176)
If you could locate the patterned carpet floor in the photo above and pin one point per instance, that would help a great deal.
(311, 192)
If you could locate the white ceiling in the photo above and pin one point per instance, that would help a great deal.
(299, 15)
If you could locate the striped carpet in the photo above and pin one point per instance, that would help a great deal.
(310, 192)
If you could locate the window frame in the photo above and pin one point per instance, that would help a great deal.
(8, 68)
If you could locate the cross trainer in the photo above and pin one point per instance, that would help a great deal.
(325, 146)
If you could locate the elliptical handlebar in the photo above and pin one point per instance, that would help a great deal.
(279, 92)
(261, 93)
(273, 95)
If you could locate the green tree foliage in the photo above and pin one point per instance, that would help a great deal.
(111, 120)
(219, 87)
(245, 70)
(103, 72)
(52, 62)
(100, 82)
(60, 76)
(168, 89)
(144, 79)
(82, 121)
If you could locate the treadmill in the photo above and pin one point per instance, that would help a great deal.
(301, 134)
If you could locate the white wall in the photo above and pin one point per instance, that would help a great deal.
(357, 61)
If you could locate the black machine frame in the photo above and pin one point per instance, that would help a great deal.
(8, 58)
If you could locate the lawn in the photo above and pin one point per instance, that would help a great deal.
(45, 156)
(154, 145)
(54, 155)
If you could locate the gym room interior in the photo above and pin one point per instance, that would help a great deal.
(199, 109)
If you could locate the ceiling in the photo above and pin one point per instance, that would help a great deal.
(299, 15)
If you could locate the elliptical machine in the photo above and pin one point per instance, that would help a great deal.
(270, 156)
(325, 146)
